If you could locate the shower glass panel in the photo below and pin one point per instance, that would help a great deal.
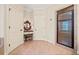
(65, 29)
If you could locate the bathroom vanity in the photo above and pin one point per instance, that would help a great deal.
(28, 35)
(28, 32)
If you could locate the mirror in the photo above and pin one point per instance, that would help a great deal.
(27, 26)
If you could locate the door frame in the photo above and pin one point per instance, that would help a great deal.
(58, 12)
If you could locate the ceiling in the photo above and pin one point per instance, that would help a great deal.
(34, 6)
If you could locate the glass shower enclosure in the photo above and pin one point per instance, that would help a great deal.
(65, 26)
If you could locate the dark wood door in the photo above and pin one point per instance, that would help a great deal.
(65, 26)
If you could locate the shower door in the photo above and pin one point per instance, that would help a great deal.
(65, 26)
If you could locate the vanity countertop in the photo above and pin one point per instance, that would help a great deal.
(28, 32)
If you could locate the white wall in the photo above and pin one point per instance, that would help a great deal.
(1, 21)
(28, 15)
(77, 29)
(1, 26)
(45, 23)
(39, 24)
(51, 24)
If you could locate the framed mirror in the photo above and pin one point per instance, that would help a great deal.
(27, 26)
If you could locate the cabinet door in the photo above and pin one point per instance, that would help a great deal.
(14, 28)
